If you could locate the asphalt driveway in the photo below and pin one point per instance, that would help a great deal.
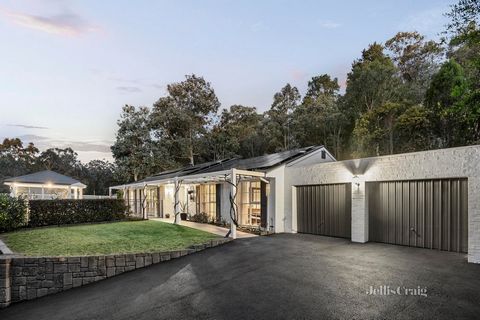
(283, 276)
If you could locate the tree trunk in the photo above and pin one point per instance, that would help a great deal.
(391, 141)
(190, 150)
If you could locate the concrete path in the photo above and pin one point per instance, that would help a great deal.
(4, 249)
(283, 276)
(221, 231)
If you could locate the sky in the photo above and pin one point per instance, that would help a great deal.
(67, 67)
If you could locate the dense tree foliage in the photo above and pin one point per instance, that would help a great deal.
(181, 120)
(404, 94)
(16, 160)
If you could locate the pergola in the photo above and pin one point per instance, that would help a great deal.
(231, 176)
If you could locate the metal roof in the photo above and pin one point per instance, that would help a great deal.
(263, 162)
(44, 177)
(185, 171)
(257, 163)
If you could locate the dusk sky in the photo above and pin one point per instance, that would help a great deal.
(67, 67)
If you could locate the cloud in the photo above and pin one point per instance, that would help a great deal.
(25, 126)
(66, 23)
(129, 89)
(328, 24)
(43, 143)
(124, 80)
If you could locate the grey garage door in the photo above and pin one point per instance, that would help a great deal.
(325, 209)
(421, 213)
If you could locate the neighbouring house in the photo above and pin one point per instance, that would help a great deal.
(45, 185)
(206, 188)
(428, 199)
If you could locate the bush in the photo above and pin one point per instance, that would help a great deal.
(200, 217)
(13, 213)
(69, 211)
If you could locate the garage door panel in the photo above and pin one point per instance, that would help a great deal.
(422, 213)
(324, 209)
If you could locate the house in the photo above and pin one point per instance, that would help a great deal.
(45, 185)
(258, 185)
(428, 199)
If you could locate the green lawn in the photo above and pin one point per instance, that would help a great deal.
(107, 238)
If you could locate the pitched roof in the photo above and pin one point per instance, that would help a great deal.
(257, 163)
(262, 162)
(180, 172)
(44, 177)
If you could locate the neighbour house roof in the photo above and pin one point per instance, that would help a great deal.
(261, 163)
(45, 177)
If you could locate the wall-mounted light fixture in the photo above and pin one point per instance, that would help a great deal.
(356, 180)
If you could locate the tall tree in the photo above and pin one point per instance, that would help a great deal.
(15, 159)
(443, 95)
(373, 86)
(414, 129)
(64, 161)
(416, 59)
(181, 119)
(132, 149)
(278, 119)
(465, 48)
(237, 133)
(98, 175)
(319, 120)
(372, 81)
(375, 130)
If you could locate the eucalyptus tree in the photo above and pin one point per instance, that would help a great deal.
(237, 133)
(277, 122)
(181, 120)
(318, 119)
(132, 149)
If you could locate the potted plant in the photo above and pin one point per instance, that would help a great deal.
(184, 213)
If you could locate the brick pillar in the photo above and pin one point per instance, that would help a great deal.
(359, 213)
(5, 281)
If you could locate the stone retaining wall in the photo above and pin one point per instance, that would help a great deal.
(26, 278)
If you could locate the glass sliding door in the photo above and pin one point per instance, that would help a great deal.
(207, 200)
(250, 203)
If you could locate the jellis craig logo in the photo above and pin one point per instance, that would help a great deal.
(396, 291)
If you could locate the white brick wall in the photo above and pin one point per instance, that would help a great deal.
(444, 163)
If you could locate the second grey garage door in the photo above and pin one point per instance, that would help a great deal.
(421, 213)
(325, 209)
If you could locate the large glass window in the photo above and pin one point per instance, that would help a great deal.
(207, 200)
(152, 202)
(48, 193)
(250, 205)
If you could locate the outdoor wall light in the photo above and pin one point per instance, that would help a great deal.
(356, 181)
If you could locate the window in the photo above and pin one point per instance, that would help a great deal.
(250, 208)
(207, 200)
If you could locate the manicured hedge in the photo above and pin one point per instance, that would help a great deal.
(57, 212)
(13, 212)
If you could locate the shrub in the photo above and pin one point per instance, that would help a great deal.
(69, 211)
(200, 217)
(13, 212)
